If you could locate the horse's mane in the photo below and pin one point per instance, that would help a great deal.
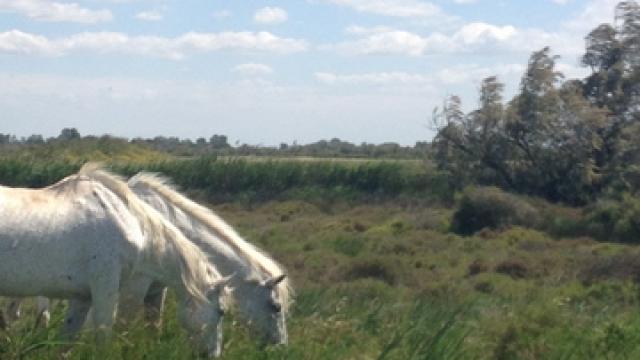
(167, 244)
(256, 258)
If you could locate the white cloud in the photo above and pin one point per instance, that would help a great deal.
(481, 33)
(270, 16)
(468, 38)
(471, 38)
(251, 69)
(472, 73)
(18, 42)
(380, 78)
(396, 8)
(149, 16)
(594, 13)
(471, 1)
(52, 11)
(451, 75)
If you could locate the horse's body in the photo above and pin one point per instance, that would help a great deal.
(261, 292)
(86, 237)
(72, 240)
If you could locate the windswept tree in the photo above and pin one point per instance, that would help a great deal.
(627, 19)
(543, 142)
(473, 146)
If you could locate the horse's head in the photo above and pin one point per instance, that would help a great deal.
(259, 303)
(203, 319)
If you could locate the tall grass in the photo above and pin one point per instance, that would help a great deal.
(422, 330)
(228, 178)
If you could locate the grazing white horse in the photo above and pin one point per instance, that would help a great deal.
(87, 237)
(261, 290)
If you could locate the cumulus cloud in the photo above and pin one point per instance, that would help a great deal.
(270, 16)
(476, 38)
(18, 42)
(384, 40)
(473, 73)
(395, 8)
(149, 16)
(42, 10)
(379, 78)
(252, 69)
(594, 13)
(451, 75)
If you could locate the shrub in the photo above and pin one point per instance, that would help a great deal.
(515, 268)
(348, 245)
(476, 267)
(490, 207)
(374, 269)
(622, 266)
(615, 220)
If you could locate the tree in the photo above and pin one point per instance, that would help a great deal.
(35, 139)
(627, 17)
(602, 48)
(69, 134)
(474, 146)
(219, 142)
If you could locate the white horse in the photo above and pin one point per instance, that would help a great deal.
(261, 290)
(87, 237)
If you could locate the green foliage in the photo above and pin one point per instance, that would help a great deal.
(615, 220)
(489, 207)
(564, 141)
(371, 282)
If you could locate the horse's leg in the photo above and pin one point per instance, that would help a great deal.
(44, 316)
(14, 310)
(104, 295)
(3, 322)
(154, 304)
(132, 295)
(74, 318)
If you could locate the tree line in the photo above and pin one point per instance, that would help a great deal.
(565, 140)
(219, 145)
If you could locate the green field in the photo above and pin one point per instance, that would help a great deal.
(387, 280)
(378, 263)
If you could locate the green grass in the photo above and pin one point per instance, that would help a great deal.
(388, 281)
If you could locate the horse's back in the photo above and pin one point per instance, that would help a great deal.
(52, 242)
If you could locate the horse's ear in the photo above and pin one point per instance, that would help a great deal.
(271, 283)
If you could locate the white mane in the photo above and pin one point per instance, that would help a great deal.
(168, 246)
(256, 258)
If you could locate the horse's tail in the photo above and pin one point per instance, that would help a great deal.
(166, 243)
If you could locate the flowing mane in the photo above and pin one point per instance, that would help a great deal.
(256, 258)
(168, 246)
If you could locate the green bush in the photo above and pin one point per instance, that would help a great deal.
(615, 220)
(490, 207)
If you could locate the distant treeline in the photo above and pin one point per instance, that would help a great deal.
(219, 145)
(570, 141)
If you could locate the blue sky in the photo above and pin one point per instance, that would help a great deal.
(265, 72)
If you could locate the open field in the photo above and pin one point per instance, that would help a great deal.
(388, 281)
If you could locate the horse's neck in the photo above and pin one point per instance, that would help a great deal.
(227, 261)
